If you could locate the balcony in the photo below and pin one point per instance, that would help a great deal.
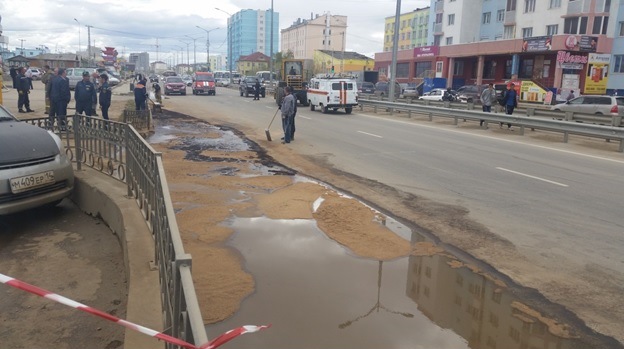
(510, 18)
(437, 28)
(439, 6)
(576, 7)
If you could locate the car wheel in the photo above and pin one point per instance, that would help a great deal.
(348, 110)
(311, 107)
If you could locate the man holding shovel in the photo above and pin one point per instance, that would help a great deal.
(288, 111)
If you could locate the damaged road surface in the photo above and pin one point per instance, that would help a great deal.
(328, 269)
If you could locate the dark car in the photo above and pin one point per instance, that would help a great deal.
(175, 84)
(470, 93)
(382, 89)
(248, 87)
(34, 170)
(367, 87)
(154, 78)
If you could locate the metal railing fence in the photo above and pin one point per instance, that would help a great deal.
(118, 150)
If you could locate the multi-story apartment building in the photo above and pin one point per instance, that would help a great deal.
(553, 44)
(218, 62)
(250, 31)
(324, 32)
(140, 62)
(413, 30)
(616, 80)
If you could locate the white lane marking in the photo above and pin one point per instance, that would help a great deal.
(304, 117)
(533, 177)
(370, 134)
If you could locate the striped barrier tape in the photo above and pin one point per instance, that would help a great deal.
(222, 339)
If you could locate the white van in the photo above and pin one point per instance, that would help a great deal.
(333, 93)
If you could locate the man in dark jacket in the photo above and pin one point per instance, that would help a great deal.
(105, 95)
(140, 92)
(23, 89)
(13, 73)
(59, 98)
(257, 90)
(85, 95)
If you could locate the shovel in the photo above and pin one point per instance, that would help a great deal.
(268, 133)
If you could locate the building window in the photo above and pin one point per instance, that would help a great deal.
(618, 66)
(509, 32)
(500, 15)
(552, 29)
(402, 70)
(526, 69)
(575, 25)
(449, 40)
(421, 68)
(600, 25)
(621, 31)
(485, 19)
(511, 5)
(527, 32)
(458, 69)
(529, 6)
(437, 39)
(451, 19)
(554, 4)
(438, 18)
(607, 5)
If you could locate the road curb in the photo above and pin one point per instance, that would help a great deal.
(101, 196)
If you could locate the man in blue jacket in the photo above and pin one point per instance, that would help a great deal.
(85, 95)
(59, 98)
(511, 101)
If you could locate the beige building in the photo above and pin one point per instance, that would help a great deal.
(323, 32)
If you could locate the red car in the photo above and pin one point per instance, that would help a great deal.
(174, 84)
(204, 82)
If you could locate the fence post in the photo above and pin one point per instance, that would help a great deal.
(569, 116)
(77, 141)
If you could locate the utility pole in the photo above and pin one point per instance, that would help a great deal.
(22, 46)
(89, 42)
(271, 61)
(395, 43)
(194, 53)
(79, 57)
(230, 29)
(188, 58)
(207, 45)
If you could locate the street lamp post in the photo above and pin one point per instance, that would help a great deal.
(194, 52)
(229, 24)
(78, 37)
(207, 44)
(188, 59)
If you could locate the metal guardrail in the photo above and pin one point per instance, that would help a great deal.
(565, 127)
(118, 150)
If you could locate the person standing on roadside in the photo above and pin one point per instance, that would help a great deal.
(488, 96)
(45, 79)
(13, 73)
(23, 89)
(95, 79)
(288, 110)
(29, 76)
(105, 95)
(59, 98)
(85, 95)
(257, 90)
(511, 101)
(140, 92)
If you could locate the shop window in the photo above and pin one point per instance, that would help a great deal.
(489, 70)
(458, 69)
(402, 70)
(526, 69)
(421, 68)
(508, 65)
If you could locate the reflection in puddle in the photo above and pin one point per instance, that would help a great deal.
(316, 294)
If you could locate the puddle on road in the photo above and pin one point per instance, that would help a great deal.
(317, 294)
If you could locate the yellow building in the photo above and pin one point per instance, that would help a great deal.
(413, 30)
(341, 61)
(249, 65)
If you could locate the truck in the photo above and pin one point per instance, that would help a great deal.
(364, 76)
(295, 73)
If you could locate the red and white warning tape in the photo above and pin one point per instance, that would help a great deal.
(224, 338)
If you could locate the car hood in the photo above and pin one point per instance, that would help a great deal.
(175, 84)
(13, 149)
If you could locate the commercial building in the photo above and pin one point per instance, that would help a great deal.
(324, 32)
(250, 31)
(341, 62)
(544, 45)
(615, 83)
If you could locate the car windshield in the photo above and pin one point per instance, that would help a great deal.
(174, 79)
(204, 78)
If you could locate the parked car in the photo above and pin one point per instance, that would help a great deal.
(153, 78)
(35, 73)
(34, 170)
(75, 74)
(367, 87)
(601, 105)
(224, 82)
(248, 87)
(175, 84)
(434, 95)
(472, 93)
(204, 83)
(410, 92)
(382, 89)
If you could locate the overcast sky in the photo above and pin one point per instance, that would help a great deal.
(141, 25)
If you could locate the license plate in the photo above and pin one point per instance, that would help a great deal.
(25, 183)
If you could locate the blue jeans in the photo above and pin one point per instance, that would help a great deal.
(287, 126)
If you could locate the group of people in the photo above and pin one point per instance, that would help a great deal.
(508, 100)
(58, 95)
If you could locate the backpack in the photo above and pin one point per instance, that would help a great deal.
(502, 98)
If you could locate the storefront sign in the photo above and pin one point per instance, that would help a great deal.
(426, 51)
(531, 92)
(567, 57)
(537, 43)
(588, 43)
(597, 74)
(572, 66)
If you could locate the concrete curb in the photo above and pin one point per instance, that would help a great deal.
(101, 196)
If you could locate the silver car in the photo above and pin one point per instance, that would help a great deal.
(34, 170)
(601, 105)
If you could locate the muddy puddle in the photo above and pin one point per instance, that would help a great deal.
(317, 293)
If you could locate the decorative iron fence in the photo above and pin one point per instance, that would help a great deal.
(118, 150)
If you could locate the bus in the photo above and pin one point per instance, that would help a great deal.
(224, 75)
(265, 76)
